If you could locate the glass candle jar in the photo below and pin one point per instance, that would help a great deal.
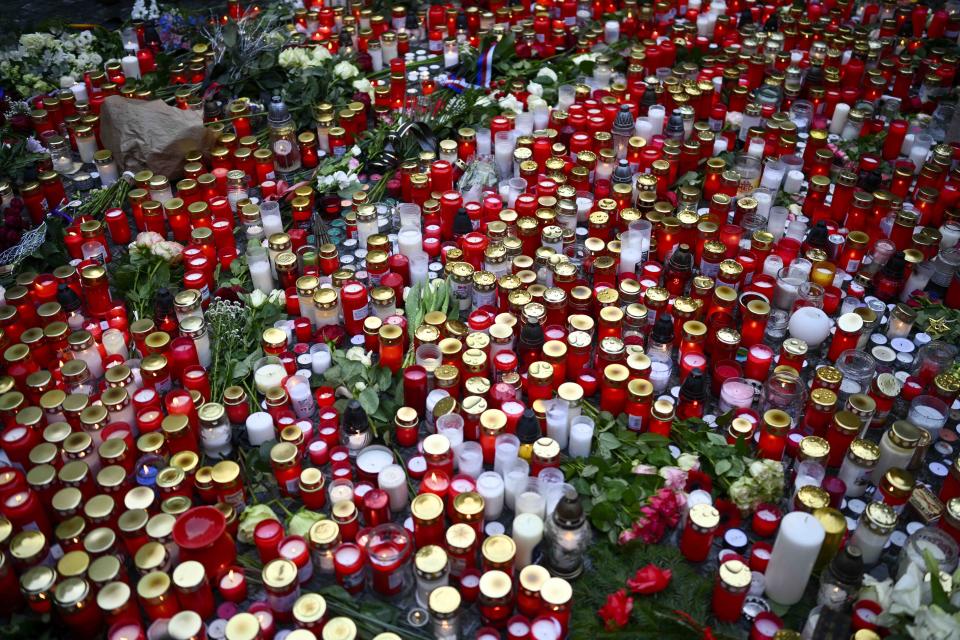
(496, 597)
(697, 536)
(897, 447)
(432, 569)
(874, 527)
(388, 550)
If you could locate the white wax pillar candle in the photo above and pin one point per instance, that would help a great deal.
(515, 482)
(506, 452)
(791, 561)
(261, 276)
(523, 123)
(419, 268)
(320, 362)
(907, 144)
(772, 176)
(216, 440)
(777, 221)
(581, 437)
(643, 128)
(840, 113)
(79, 91)
(470, 459)
(949, 235)
(756, 148)
(703, 24)
(557, 426)
(611, 31)
(631, 250)
(451, 58)
(655, 115)
(393, 480)
(793, 182)
(918, 155)
(527, 532)
(719, 145)
(410, 240)
(131, 67)
(260, 428)
(483, 142)
(764, 202)
(491, 489)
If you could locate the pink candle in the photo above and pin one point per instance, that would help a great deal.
(736, 393)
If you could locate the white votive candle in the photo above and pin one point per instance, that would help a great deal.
(527, 532)
(491, 489)
(470, 459)
(131, 67)
(393, 480)
(557, 427)
(269, 376)
(840, 113)
(793, 182)
(581, 437)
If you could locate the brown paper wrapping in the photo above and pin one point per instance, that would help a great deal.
(152, 135)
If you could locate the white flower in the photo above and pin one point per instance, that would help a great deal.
(905, 597)
(363, 86)
(877, 590)
(355, 151)
(257, 299)
(357, 354)
(933, 623)
(277, 297)
(168, 250)
(585, 57)
(483, 101)
(345, 70)
(688, 461)
(547, 73)
(533, 102)
(734, 118)
(145, 240)
(535, 89)
(510, 103)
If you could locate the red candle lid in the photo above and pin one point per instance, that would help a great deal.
(199, 527)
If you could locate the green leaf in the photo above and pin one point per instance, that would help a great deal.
(609, 441)
(722, 467)
(369, 400)
(589, 471)
(603, 515)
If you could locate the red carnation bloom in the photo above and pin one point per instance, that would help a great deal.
(729, 515)
(616, 611)
(697, 479)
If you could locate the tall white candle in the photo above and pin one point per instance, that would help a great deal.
(79, 91)
(320, 362)
(393, 480)
(261, 276)
(791, 561)
(655, 115)
(527, 532)
(410, 240)
(581, 437)
(490, 487)
(506, 451)
(840, 113)
(470, 459)
(260, 428)
(515, 482)
(131, 67)
(557, 427)
(793, 182)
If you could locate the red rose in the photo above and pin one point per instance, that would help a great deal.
(616, 611)
(649, 580)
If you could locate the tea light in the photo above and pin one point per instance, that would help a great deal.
(233, 585)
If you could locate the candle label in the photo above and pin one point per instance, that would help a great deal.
(634, 423)
(305, 572)
(352, 580)
(234, 499)
(284, 602)
(364, 311)
(292, 485)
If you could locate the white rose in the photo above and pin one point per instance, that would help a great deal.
(533, 102)
(510, 103)
(547, 73)
(277, 297)
(319, 54)
(257, 299)
(345, 70)
(146, 239)
(168, 250)
(363, 86)
(535, 89)
(483, 101)
(688, 461)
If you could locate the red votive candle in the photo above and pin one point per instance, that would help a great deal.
(267, 535)
(760, 556)
(766, 520)
(348, 567)
(232, 585)
(759, 359)
(765, 626)
(697, 536)
(730, 590)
